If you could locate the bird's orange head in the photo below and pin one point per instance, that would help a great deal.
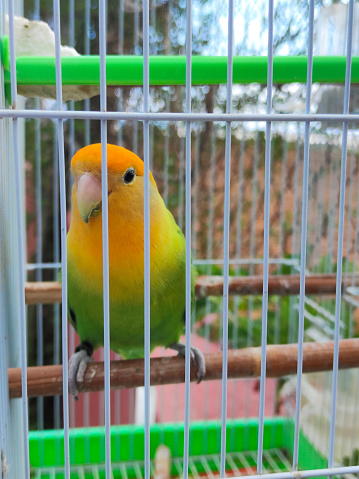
(125, 179)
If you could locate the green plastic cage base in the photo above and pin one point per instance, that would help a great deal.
(87, 449)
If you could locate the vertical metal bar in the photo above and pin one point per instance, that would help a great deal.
(87, 52)
(295, 195)
(292, 300)
(227, 191)
(71, 102)
(252, 246)
(152, 134)
(341, 233)
(209, 266)
(87, 27)
(105, 239)
(60, 137)
(166, 153)
(236, 300)
(4, 350)
(120, 93)
(71, 134)
(137, 51)
(20, 247)
(147, 231)
(39, 308)
(211, 200)
(121, 27)
(71, 347)
(56, 253)
(277, 318)
(303, 253)
(37, 10)
(153, 24)
(188, 234)
(266, 238)
(72, 23)
(282, 202)
(87, 139)
(353, 416)
(117, 398)
(280, 233)
(195, 193)
(181, 183)
(136, 26)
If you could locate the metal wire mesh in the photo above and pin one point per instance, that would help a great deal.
(237, 464)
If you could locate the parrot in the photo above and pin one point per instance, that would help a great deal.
(125, 172)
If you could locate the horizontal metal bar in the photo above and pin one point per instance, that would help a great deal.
(171, 70)
(236, 261)
(246, 261)
(309, 473)
(281, 360)
(34, 266)
(242, 458)
(136, 116)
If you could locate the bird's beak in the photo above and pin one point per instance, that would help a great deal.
(89, 196)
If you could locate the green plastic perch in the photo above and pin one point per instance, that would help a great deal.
(171, 70)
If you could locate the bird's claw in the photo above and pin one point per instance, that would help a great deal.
(197, 357)
(77, 368)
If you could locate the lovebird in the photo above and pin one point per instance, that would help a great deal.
(126, 262)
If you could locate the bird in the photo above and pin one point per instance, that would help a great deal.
(125, 172)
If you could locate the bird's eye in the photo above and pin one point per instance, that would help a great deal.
(129, 176)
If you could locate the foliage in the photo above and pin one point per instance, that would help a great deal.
(244, 315)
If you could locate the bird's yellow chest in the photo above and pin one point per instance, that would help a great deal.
(126, 255)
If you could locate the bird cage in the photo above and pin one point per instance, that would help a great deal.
(250, 129)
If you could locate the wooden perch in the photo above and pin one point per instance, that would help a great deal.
(324, 284)
(284, 285)
(242, 363)
(45, 292)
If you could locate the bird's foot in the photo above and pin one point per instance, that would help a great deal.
(77, 366)
(196, 356)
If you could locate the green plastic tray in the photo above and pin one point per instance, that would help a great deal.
(87, 449)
